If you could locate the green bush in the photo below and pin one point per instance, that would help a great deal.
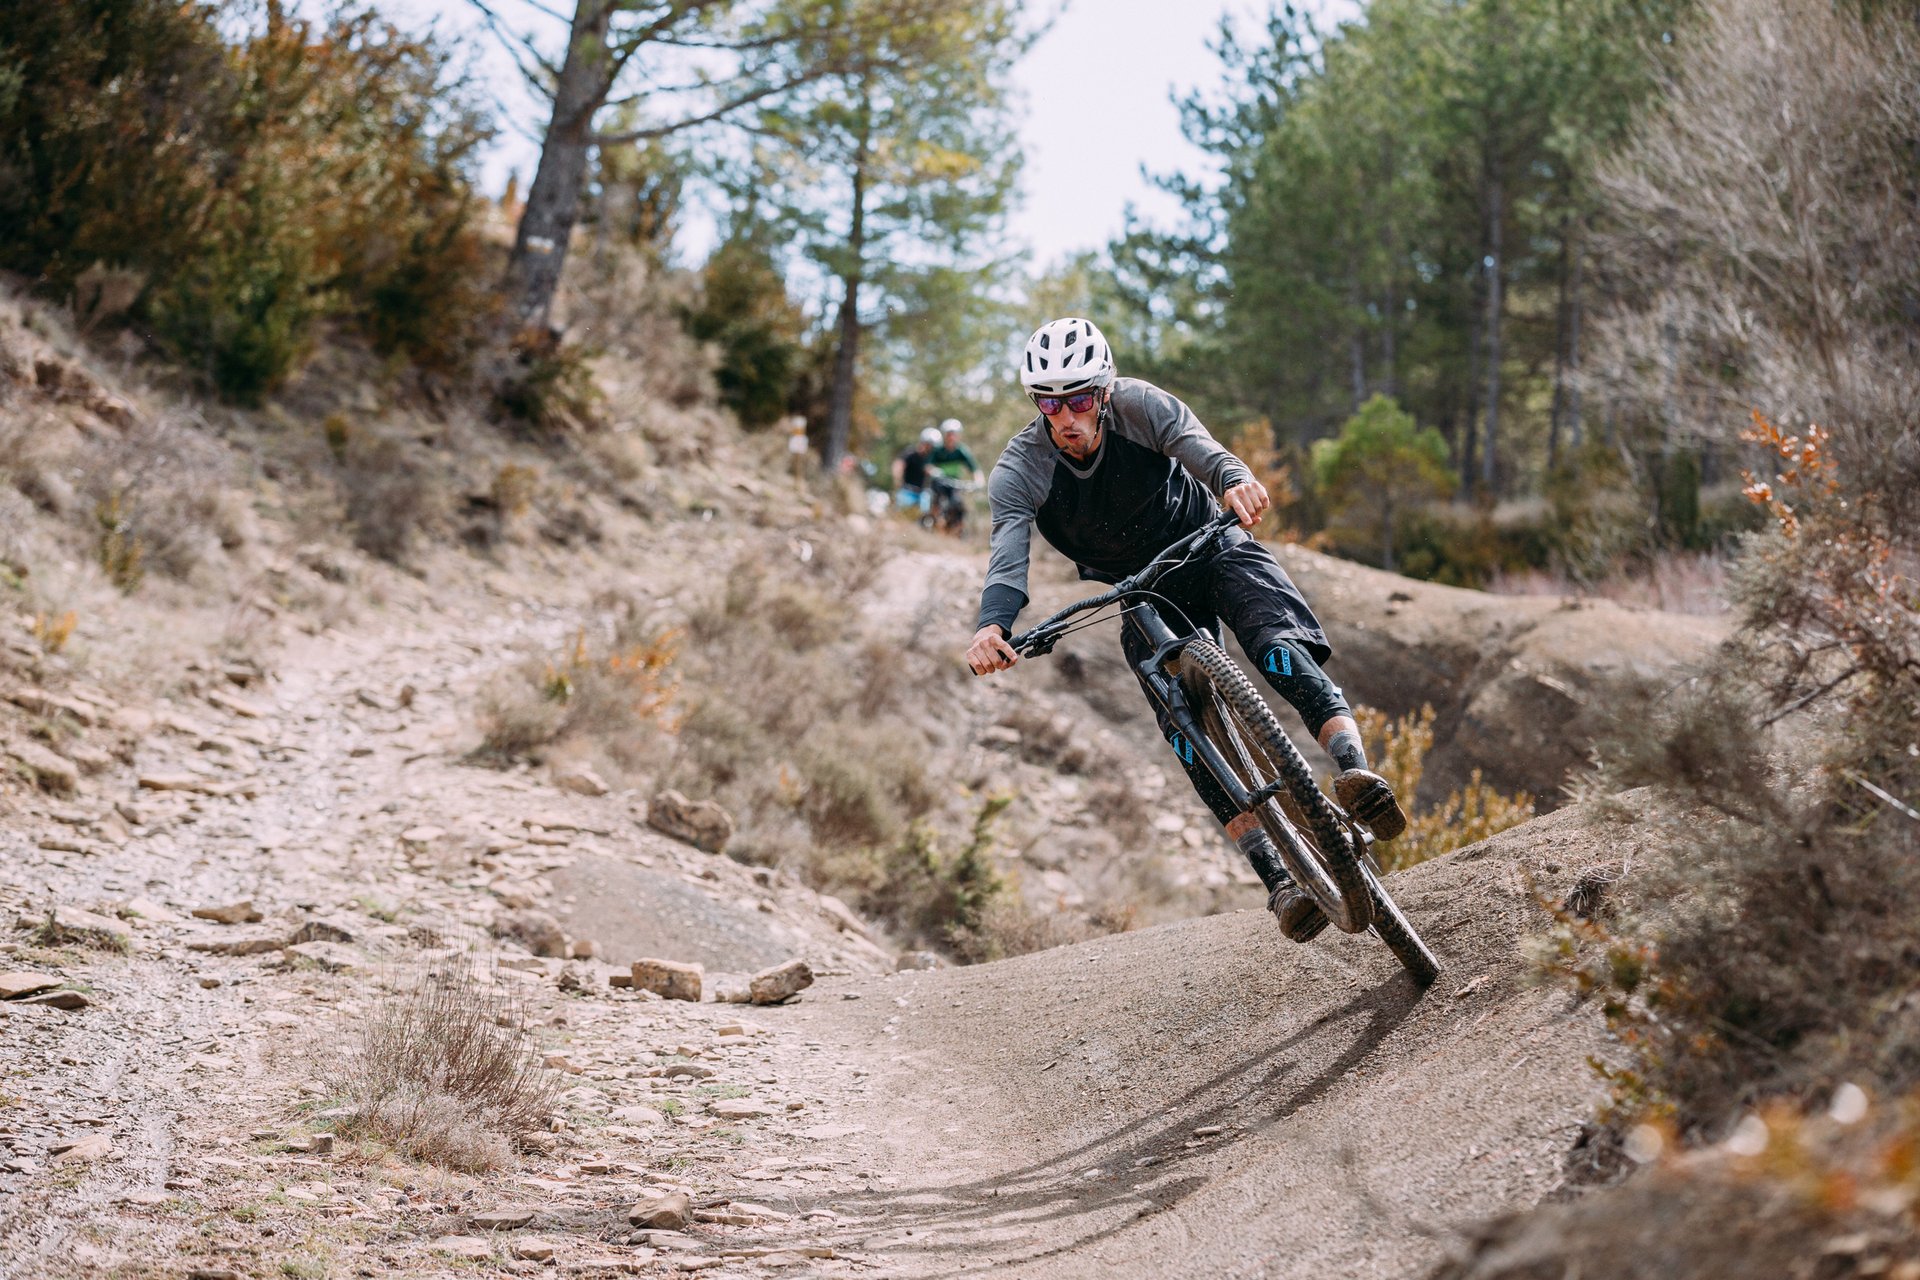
(1380, 466)
(745, 311)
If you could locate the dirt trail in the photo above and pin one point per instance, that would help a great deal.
(1200, 1098)
(1205, 1099)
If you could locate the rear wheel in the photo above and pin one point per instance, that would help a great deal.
(1314, 844)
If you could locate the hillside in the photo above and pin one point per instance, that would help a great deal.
(282, 730)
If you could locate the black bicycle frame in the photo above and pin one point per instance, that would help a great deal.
(1192, 743)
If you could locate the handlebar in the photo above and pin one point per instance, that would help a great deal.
(1041, 638)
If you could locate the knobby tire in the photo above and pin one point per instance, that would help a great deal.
(1392, 927)
(1328, 835)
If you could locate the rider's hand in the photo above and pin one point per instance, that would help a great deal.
(990, 651)
(1249, 501)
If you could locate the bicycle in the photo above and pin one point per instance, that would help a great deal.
(946, 510)
(1223, 724)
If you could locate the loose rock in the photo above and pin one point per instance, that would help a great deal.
(636, 1115)
(537, 931)
(71, 925)
(741, 1109)
(68, 1000)
(331, 956)
(667, 978)
(531, 1249)
(700, 823)
(321, 931)
(581, 780)
(244, 944)
(670, 1212)
(15, 985)
(508, 1219)
(95, 1146)
(241, 912)
(466, 1248)
(50, 772)
(771, 986)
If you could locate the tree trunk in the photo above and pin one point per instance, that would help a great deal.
(553, 202)
(1386, 537)
(1357, 344)
(1496, 267)
(846, 359)
(1560, 324)
(1390, 260)
(1470, 420)
(1576, 434)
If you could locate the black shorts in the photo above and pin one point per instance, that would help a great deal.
(1245, 586)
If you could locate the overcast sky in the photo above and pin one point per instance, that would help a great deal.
(1098, 106)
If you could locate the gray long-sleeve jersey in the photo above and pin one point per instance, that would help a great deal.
(1154, 479)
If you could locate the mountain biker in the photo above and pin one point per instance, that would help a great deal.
(953, 467)
(1111, 471)
(954, 458)
(911, 467)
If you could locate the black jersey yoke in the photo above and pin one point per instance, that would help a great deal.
(1155, 478)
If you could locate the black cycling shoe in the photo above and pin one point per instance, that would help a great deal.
(1370, 799)
(1300, 919)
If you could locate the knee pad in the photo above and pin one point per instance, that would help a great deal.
(1295, 676)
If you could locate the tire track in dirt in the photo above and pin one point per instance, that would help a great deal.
(1206, 1099)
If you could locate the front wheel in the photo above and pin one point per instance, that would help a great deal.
(1391, 926)
(1317, 851)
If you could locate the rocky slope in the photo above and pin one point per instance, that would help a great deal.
(242, 815)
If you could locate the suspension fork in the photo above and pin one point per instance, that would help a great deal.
(1172, 696)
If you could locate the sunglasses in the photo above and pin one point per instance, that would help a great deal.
(1079, 403)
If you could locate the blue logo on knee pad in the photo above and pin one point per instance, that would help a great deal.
(1181, 747)
(1280, 660)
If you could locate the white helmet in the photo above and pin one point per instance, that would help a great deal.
(950, 425)
(1064, 356)
(930, 436)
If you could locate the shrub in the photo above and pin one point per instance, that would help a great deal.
(446, 1072)
(255, 186)
(1398, 750)
(390, 496)
(1775, 947)
(547, 383)
(939, 896)
(1378, 467)
(615, 693)
(745, 311)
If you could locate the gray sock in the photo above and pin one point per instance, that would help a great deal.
(1346, 750)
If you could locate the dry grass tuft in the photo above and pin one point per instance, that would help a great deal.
(446, 1072)
(391, 497)
(615, 691)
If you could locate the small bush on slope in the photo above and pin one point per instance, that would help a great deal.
(1398, 749)
(446, 1072)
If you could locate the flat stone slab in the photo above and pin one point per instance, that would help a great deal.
(466, 1248)
(241, 912)
(334, 957)
(245, 944)
(67, 1000)
(503, 1219)
(15, 985)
